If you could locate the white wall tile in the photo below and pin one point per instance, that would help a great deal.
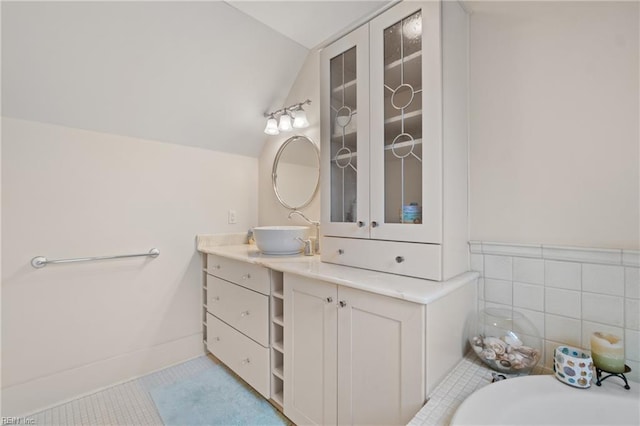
(632, 283)
(498, 267)
(586, 255)
(504, 249)
(588, 328)
(536, 318)
(528, 296)
(528, 270)
(488, 305)
(567, 300)
(475, 246)
(562, 329)
(477, 263)
(603, 309)
(631, 258)
(603, 279)
(565, 275)
(498, 291)
(632, 344)
(563, 302)
(634, 375)
(632, 313)
(480, 288)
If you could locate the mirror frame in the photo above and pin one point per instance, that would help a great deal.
(274, 174)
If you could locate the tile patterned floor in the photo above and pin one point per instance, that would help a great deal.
(126, 404)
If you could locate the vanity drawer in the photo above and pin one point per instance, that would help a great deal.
(243, 309)
(417, 260)
(245, 357)
(254, 277)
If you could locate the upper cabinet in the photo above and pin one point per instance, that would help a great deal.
(344, 136)
(394, 143)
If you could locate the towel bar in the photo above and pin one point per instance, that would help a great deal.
(41, 261)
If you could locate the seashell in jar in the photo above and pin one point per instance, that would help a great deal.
(505, 363)
(527, 351)
(512, 340)
(477, 341)
(495, 344)
(488, 354)
(518, 365)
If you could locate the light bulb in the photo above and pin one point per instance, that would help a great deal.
(272, 126)
(285, 122)
(300, 121)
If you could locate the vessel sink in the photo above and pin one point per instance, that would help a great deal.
(543, 400)
(280, 240)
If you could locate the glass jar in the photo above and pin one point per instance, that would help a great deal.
(504, 340)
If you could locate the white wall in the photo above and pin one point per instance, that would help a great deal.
(69, 329)
(197, 73)
(554, 122)
(306, 86)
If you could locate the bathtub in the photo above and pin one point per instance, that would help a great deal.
(543, 400)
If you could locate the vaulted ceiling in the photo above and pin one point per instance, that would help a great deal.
(309, 22)
(192, 73)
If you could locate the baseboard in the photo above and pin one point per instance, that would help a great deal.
(45, 392)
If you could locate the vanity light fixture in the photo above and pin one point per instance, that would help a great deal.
(272, 126)
(300, 118)
(285, 122)
(290, 117)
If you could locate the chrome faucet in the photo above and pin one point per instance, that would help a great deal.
(316, 247)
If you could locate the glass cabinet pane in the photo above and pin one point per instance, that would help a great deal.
(343, 144)
(403, 121)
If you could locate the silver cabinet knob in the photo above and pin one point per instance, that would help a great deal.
(342, 303)
(374, 224)
(246, 361)
(329, 299)
(360, 224)
(215, 298)
(399, 259)
(246, 276)
(244, 314)
(217, 339)
(340, 251)
(216, 267)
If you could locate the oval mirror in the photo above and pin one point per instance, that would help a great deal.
(296, 172)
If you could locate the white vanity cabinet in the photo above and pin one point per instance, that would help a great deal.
(394, 143)
(355, 357)
(237, 318)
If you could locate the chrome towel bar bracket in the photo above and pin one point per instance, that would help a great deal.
(41, 261)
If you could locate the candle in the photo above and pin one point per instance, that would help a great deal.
(607, 351)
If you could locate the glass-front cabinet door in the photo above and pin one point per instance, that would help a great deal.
(406, 116)
(381, 94)
(345, 136)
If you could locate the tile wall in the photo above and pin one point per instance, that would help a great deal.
(568, 293)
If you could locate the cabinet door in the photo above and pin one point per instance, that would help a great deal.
(406, 123)
(380, 359)
(344, 88)
(310, 352)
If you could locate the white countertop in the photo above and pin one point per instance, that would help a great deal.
(406, 288)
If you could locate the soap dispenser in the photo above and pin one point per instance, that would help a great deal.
(308, 246)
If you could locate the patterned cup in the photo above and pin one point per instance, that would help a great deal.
(573, 366)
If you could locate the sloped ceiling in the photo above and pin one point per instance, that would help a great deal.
(192, 73)
(309, 22)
